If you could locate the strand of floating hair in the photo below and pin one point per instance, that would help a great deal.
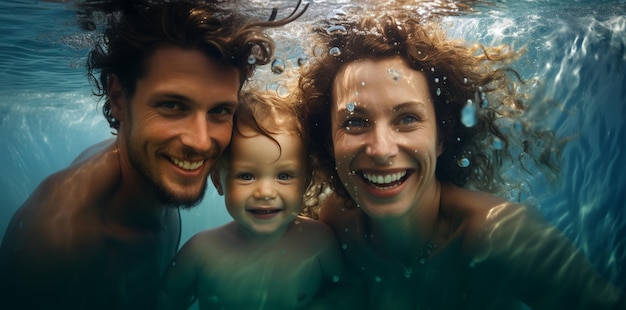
(293, 16)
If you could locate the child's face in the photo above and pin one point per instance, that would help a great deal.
(264, 185)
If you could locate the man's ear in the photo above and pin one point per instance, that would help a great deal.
(117, 98)
(215, 177)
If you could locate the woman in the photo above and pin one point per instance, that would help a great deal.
(410, 125)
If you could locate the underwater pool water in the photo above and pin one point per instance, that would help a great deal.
(577, 49)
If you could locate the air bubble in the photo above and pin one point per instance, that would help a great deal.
(497, 143)
(395, 74)
(251, 60)
(350, 106)
(278, 66)
(335, 51)
(463, 162)
(468, 114)
(336, 29)
(336, 14)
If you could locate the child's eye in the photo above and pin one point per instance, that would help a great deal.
(246, 177)
(284, 176)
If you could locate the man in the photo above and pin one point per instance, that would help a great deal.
(98, 234)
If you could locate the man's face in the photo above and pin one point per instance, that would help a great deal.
(178, 122)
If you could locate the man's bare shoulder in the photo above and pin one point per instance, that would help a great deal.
(61, 214)
(94, 150)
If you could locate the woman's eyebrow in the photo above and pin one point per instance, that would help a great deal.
(409, 105)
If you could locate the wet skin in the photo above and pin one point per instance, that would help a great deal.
(264, 184)
(489, 253)
(267, 254)
(96, 235)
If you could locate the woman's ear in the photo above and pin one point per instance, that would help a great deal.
(439, 148)
(439, 142)
(117, 98)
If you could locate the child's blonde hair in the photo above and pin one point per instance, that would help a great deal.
(268, 113)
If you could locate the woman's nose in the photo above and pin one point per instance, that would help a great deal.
(382, 145)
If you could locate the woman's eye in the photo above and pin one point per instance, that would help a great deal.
(408, 119)
(354, 123)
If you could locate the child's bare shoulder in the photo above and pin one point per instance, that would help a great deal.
(310, 223)
(314, 229)
(211, 238)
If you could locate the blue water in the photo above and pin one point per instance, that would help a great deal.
(577, 49)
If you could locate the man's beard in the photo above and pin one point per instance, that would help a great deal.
(161, 192)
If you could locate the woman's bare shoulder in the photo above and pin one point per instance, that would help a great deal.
(479, 215)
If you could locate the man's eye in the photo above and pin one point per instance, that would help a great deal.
(221, 111)
(170, 105)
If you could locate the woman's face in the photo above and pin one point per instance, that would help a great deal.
(384, 135)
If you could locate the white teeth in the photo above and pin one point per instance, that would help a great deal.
(187, 165)
(384, 179)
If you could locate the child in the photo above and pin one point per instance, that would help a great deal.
(268, 257)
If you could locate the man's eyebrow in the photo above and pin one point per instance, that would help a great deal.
(170, 95)
(183, 98)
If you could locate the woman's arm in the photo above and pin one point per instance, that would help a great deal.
(536, 262)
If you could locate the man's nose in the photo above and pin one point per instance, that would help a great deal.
(196, 133)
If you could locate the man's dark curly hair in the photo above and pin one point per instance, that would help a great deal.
(135, 29)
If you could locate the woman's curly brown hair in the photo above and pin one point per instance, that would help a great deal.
(458, 75)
